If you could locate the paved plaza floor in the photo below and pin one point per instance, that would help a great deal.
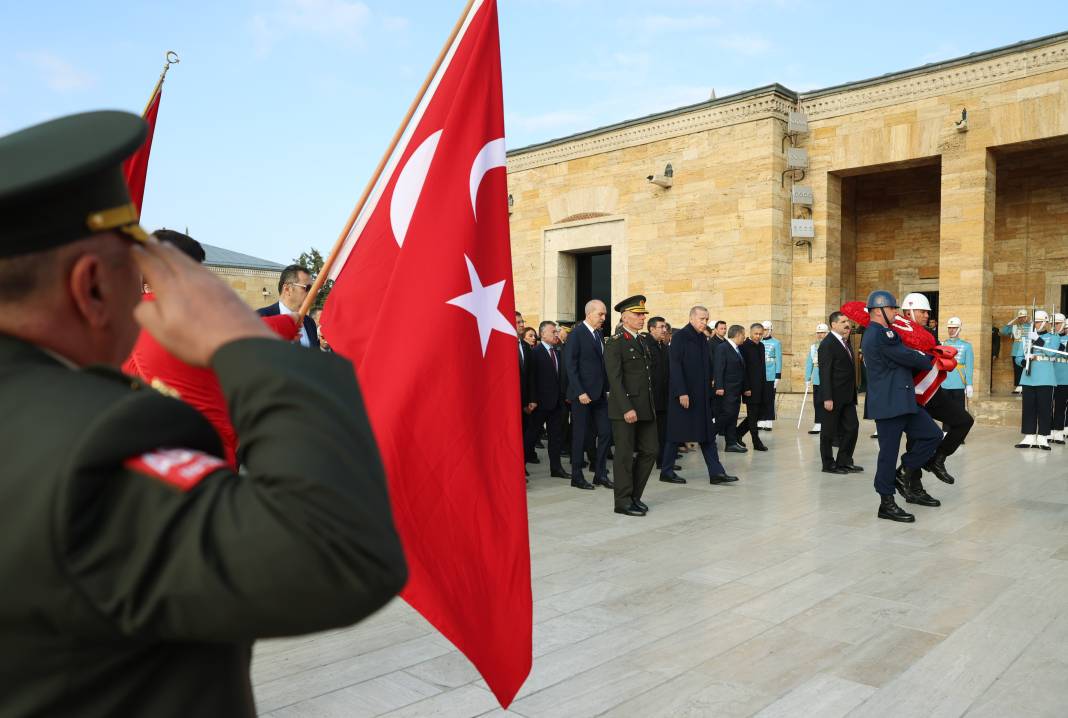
(781, 595)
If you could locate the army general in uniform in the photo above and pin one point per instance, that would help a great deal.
(139, 568)
(631, 408)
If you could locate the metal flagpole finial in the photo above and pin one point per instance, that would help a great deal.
(171, 58)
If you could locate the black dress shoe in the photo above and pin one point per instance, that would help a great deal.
(559, 474)
(759, 447)
(581, 484)
(890, 510)
(937, 466)
(672, 478)
(538, 444)
(640, 505)
(834, 470)
(911, 489)
(604, 481)
(676, 467)
(852, 468)
(533, 460)
(722, 479)
(736, 449)
(630, 511)
(610, 455)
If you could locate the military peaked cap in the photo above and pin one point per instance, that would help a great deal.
(62, 180)
(635, 304)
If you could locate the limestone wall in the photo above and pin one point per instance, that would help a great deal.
(250, 284)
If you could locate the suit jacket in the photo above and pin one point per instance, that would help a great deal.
(837, 373)
(890, 366)
(753, 353)
(658, 365)
(526, 377)
(309, 324)
(728, 370)
(584, 360)
(691, 374)
(546, 378)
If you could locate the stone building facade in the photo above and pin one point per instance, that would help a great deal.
(255, 280)
(905, 197)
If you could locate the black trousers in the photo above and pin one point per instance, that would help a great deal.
(820, 412)
(661, 438)
(841, 423)
(590, 419)
(1060, 406)
(1017, 372)
(726, 409)
(633, 461)
(748, 425)
(922, 433)
(553, 421)
(767, 408)
(956, 421)
(1037, 410)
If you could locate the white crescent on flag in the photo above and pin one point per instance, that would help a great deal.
(409, 185)
(491, 156)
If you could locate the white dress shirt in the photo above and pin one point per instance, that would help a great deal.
(305, 341)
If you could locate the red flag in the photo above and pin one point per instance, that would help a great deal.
(430, 257)
(136, 165)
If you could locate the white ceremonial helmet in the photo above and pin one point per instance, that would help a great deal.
(821, 327)
(915, 300)
(1041, 316)
(1022, 313)
(1058, 318)
(953, 322)
(766, 324)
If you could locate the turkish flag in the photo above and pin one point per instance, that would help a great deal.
(136, 165)
(423, 306)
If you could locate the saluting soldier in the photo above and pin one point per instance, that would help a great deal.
(892, 404)
(1018, 328)
(1039, 380)
(631, 408)
(1060, 370)
(139, 568)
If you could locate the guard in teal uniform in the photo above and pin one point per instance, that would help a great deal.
(958, 383)
(1039, 379)
(1018, 328)
(812, 376)
(1060, 371)
(772, 374)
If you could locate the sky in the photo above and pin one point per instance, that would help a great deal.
(280, 109)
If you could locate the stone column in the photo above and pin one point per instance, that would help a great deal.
(966, 246)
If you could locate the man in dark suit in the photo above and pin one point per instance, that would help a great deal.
(547, 397)
(689, 408)
(293, 286)
(837, 391)
(656, 347)
(753, 353)
(719, 336)
(732, 383)
(587, 387)
(526, 400)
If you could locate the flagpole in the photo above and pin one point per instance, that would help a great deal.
(171, 59)
(332, 257)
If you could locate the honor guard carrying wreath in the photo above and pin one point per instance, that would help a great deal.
(891, 402)
(631, 408)
(956, 421)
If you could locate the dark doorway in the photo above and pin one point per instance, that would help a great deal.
(1064, 299)
(593, 280)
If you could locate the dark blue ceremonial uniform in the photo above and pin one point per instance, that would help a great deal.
(892, 404)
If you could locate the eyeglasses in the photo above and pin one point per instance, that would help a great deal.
(305, 287)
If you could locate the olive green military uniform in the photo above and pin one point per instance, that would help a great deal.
(138, 568)
(630, 387)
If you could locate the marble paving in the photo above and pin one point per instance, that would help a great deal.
(781, 595)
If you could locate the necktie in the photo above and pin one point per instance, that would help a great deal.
(556, 367)
(600, 342)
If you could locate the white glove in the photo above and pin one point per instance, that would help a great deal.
(1032, 336)
(808, 385)
(776, 383)
(968, 391)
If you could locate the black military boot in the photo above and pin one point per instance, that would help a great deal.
(890, 510)
(937, 466)
(910, 486)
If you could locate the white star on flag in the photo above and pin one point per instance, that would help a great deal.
(482, 303)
